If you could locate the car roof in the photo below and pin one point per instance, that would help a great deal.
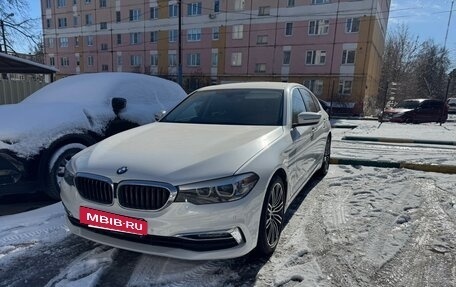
(251, 85)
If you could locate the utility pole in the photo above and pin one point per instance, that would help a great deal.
(179, 71)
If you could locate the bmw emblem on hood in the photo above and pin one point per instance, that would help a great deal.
(122, 170)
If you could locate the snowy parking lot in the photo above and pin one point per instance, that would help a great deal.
(359, 226)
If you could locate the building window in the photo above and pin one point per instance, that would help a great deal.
(75, 20)
(154, 36)
(316, 57)
(48, 23)
(214, 59)
(90, 40)
(88, 19)
(348, 56)
(238, 32)
(88, 1)
(154, 60)
(119, 39)
(215, 33)
(317, 2)
(318, 27)
(289, 29)
(291, 3)
(153, 12)
(236, 59)
(90, 61)
(239, 5)
(135, 14)
(104, 68)
(104, 47)
(173, 10)
(260, 68)
(194, 9)
(75, 2)
(119, 60)
(345, 87)
(64, 61)
(352, 25)
(52, 61)
(61, 3)
(103, 25)
(286, 57)
(172, 36)
(135, 60)
(118, 18)
(51, 42)
(264, 11)
(172, 60)
(63, 42)
(103, 3)
(62, 22)
(76, 41)
(316, 86)
(194, 35)
(216, 6)
(135, 38)
(262, 39)
(193, 60)
(48, 3)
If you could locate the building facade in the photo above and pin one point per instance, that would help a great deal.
(334, 47)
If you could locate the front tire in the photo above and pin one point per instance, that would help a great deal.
(56, 164)
(271, 222)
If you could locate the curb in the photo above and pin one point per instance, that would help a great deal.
(397, 140)
(449, 169)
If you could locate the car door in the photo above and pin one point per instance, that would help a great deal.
(299, 158)
(318, 138)
(426, 112)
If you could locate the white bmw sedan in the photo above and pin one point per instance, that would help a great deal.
(212, 179)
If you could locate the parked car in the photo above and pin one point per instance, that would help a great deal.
(212, 179)
(417, 111)
(451, 105)
(40, 134)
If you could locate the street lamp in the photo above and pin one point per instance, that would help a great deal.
(2, 24)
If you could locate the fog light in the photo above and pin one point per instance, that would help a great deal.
(236, 234)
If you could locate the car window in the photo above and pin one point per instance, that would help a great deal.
(431, 105)
(230, 107)
(408, 105)
(298, 105)
(310, 103)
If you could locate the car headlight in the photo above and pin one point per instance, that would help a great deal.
(69, 174)
(218, 190)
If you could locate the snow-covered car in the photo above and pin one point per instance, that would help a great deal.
(211, 179)
(451, 105)
(417, 111)
(40, 134)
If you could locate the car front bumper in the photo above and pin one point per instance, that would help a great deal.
(181, 230)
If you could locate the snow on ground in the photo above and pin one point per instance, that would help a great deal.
(359, 226)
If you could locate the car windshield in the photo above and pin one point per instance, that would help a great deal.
(231, 107)
(407, 105)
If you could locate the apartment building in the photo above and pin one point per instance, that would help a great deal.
(334, 47)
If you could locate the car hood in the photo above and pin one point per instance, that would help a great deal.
(397, 111)
(26, 128)
(177, 153)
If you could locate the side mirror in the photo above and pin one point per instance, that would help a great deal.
(118, 104)
(307, 119)
(159, 115)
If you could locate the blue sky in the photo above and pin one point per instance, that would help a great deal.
(427, 19)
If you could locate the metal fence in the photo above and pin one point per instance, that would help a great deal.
(12, 92)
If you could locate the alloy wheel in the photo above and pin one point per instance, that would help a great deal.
(274, 214)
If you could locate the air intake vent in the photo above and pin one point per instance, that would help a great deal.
(144, 197)
(96, 190)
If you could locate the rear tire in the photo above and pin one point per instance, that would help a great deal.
(56, 167)
(271, 222)
(323, 171)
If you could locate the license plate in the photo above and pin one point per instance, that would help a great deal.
(110, 221)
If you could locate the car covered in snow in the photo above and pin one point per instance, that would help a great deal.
(212, 179)
(451, 105)
(417, 111)
(40, 134)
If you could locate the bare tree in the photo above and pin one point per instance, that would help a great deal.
(20, 30)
